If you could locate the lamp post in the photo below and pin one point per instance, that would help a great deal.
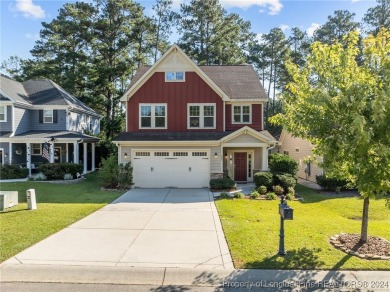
(286, 213)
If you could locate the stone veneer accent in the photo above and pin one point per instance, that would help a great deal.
(216, 175)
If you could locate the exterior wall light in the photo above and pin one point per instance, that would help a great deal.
(125, 155)
(215, 154)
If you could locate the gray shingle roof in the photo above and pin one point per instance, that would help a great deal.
(170, 136)
(237, 81)
(55, 134)
(39, 92)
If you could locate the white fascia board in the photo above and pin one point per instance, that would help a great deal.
(153, 69)
(246, 130)
(241, 145)
(42, 107)
(253, 100)
(168, 143)
(246, 101)
(76, 110)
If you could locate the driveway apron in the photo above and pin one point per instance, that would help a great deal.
(142, 228)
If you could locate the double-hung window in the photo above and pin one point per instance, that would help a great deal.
(3, 113)
(153, 116)
(242, 114)
(201, 116)
(48, 116)
(36, 149)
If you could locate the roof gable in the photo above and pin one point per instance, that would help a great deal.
(263, 136)
(173, 59)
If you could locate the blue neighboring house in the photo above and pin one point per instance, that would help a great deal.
(36, 112)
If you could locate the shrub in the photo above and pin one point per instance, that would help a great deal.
(40, 176)
(263, 178)
(291, 191)
(262, 190)
(224, 195)
(290, 197)
(68, 176)
(254, 195)
(225, 183)
(271, 196)
(281, 163)
(330, 184)
(239, 195)
(114, 175)
(285, 180)
(57, 171)
(9, 171)
(278, 190)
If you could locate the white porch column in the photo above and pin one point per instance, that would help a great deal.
(75, 152)
(10, 153)
(28, 157)
(264, 165)
(67, 152)
(51, 152)
(93, 157)
(85, 153)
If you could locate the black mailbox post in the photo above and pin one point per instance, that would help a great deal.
(286, 213)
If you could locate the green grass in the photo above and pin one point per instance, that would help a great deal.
(252, 231)
(59, 206)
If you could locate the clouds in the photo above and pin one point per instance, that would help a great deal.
(274, 6)
(32, 36)
(284, 27)
(29, 9)
(310, 31)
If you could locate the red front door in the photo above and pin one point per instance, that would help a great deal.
(240, 166)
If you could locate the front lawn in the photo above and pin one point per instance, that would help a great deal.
(59, 205)
(252, 231)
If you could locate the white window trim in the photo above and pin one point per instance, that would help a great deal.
(201, 115)
(32, 149)
(5, 113)
(52, 116)
(250, 114)
(153, 105)
(2, 156)
(175, 80)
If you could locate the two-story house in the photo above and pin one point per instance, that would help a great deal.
(186, 124)
(36, 112)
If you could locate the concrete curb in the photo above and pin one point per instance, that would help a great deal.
(363, 280)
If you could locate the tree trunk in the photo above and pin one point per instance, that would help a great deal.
(364, 231)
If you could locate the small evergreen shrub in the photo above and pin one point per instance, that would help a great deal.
(224, 195)
(68, 176)
(271, 196)
(114, 175)
(278, 190)
(225, 183)
(291, 191)
(40, 177)
(263, 178)
(9, 171)
(57, 171)
(330, 184)
(262, 190)
(285, 180)
(281, 163)
(254, 195)
(239, 195)
(290, 197)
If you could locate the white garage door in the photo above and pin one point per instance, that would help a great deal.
(173, 168)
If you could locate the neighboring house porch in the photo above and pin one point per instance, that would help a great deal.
(26, 149)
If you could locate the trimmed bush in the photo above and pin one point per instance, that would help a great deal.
(114, 175)
(285, 180)
(330, 184)
(271, 196)
(57, 171)
(291, 191)
(263, 178)
(239, 195)
(262, 190)
(40, 177)
(225, 183)
(68, 176)
(278, 190)
(254, 195)
(9, 171)
(224, 195)
(281, 163)
(290, 197)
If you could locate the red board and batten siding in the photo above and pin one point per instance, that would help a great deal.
(256, 118)
(176, 95)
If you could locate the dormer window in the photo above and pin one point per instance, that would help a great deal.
(175, 76)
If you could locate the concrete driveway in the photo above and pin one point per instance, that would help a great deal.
(142, 228)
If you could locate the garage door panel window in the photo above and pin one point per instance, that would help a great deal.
(153, 116)
(180, 153)
(142, 153)
(161, 153)
(201, 116)
(199, 153)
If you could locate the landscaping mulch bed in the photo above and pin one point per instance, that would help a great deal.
(375, 248)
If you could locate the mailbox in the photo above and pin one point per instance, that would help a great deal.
(286, 211)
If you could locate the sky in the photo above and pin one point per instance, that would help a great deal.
(21, 19)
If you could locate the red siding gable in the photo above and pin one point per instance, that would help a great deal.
(257, 118)
(176, 95)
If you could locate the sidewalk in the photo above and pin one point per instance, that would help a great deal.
(275, 280)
